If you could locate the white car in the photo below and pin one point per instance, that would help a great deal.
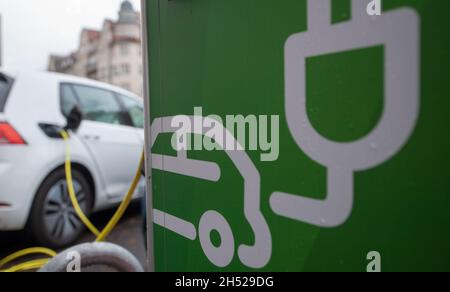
(105, 151)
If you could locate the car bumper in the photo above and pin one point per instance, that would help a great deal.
(20, 172)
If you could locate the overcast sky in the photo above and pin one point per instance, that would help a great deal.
(32, 29)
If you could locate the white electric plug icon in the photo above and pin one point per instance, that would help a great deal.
(398, 32)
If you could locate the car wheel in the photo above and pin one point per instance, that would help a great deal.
(53, 219)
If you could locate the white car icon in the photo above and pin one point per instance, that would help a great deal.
(254, 256)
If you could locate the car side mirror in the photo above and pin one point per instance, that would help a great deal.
(74, 119)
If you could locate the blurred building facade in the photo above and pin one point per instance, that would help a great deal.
(111, 55)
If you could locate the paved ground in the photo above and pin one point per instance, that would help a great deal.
(127, 234)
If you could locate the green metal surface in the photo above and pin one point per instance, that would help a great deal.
(228, 56)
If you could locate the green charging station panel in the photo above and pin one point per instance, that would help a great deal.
(362, 176)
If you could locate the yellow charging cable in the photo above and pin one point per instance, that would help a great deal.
(124, 205)
(100, 236)
(73, 197)
(28, 265)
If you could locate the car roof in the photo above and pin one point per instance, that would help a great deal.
(61, 78)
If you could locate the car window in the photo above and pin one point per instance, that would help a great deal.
(5, 86)
(135, 110)
(99, 105)
(68, 99)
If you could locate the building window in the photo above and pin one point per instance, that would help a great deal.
(125, 69)
(115, 71)
(91, 66)
(124, 49)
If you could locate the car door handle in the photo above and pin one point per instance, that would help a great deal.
(91, 137)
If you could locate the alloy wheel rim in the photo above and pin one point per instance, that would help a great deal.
(60, 219)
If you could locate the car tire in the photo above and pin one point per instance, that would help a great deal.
(53, 221)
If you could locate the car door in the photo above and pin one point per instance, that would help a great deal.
(135, 110)
(109, 136)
